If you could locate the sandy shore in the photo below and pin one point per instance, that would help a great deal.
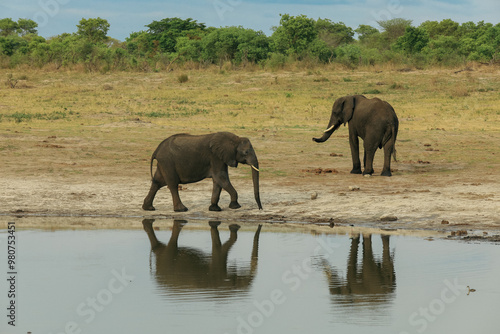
(448, 204)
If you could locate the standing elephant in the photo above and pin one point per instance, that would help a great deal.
(184, 158)
(373, 120)
(189, 269)
(369, 284)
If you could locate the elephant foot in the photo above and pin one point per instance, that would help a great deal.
(148, 207)
(234, 227)
(368, 172)
(386, 173)
(214, 223)
(214, 207)
(234, 205)
(179, 223)
(356, 171)
(180, 208)
(147, 223)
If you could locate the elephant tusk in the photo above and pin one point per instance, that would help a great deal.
(331, 127)
(255, 168)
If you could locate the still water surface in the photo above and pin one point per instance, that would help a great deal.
(213, 278)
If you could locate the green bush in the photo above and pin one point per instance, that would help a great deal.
(183, 78)
(276, 61)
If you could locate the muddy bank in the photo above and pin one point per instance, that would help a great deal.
(449, 204)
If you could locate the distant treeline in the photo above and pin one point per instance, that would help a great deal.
(297, 38)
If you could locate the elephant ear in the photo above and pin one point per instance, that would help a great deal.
(348, 108)
(223, 145)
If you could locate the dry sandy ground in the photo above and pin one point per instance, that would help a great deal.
(449, 203)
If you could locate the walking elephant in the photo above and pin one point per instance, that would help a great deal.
(190, 269)
(373, 120)
(184, 158)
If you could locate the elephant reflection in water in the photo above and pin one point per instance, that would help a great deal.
(188, 268)
(371, 284)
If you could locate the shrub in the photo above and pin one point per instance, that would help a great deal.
(182, 78)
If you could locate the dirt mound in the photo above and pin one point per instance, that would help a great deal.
(320, 170)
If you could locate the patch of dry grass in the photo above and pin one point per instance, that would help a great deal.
(69, 123)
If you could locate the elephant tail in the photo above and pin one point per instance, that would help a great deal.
(394, 136)
(390, 138)
(153, 158)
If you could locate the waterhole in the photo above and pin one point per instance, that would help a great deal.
(213, 277)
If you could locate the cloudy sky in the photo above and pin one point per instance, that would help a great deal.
(125, 16)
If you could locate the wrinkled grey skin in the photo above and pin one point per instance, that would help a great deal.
(374, 121)
(184, 158)
(190, 269)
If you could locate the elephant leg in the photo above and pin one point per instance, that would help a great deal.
(370, 150)
(387, 262)
(352, 263)
(222, 179)
(176, 230)
(148, 227)
(172, 181)
(174, 190)
(232, 239)
(214, 233)
(214, 206)
(157, 183)
(354, 143)
(388, 149)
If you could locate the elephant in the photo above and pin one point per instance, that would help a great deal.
(373, 283)
(373, 120)
(185, 158)
(190, 269)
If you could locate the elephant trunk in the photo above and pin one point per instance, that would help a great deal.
(327, 133)
(255, 251)
(255, 179)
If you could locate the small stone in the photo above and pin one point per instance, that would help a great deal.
(367, 175)
(353, 188)
(314, 195)
(388, 218)
(444, 222)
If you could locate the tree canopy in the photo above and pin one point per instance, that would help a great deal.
(296, 38)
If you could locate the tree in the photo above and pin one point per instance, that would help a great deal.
(294, 34)
(394, 28)
(220, 45)
(446, 27)
(365, 32)
(253, 46)
(168, 30)
(7, 27)
(93, 30)
(370, 37)
(235, 44)
(26, 27)
(445, 49)
(334, 34)
(413, 40)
